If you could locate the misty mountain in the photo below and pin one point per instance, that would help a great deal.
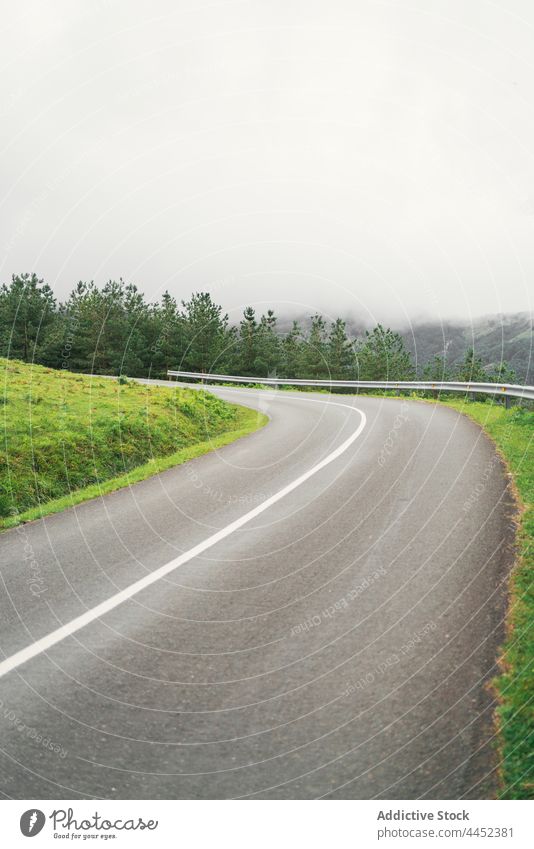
(494, 338)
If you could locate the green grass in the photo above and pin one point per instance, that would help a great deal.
(513, 433)
(70, 437)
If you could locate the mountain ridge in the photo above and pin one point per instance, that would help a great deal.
(495, 338)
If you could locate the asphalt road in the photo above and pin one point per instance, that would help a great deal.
(338, 644)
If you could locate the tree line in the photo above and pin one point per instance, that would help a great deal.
(114, 330)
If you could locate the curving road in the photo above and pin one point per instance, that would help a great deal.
(336, 644)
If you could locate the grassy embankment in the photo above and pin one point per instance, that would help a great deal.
(70, 437)
(513, 433)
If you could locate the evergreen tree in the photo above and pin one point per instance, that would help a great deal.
(164, 335)
(472, 369)
(267, 360)
(502, 373)
(101, 331)
(132, 316)
(382, 356)
(82, 316)
(27, 310)
(341, 357)
(205, 330)
(437, 369)
(53, 350)
(248, 343)
(313, 361)
(291, 352)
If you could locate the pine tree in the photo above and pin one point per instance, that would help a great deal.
(341, 357)
(132, 315)
(314, 363)
(205, 331)
(164, 334)
(82, 315)
(27, 311)
(437, 369)
(472, 369)
(267, 360)
(248, 343)
(382, 356)
(291, 352)
(502, 373)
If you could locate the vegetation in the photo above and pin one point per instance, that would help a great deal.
(494, 338)
(114, 331)
(69, 437)
(512, 431)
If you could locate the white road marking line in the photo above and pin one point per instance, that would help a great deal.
(89, 616)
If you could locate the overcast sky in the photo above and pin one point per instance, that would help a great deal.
(343, 155)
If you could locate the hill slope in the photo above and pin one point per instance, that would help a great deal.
(64, 432)
(494, 339)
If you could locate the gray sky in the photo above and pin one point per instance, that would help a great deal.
(342, 155)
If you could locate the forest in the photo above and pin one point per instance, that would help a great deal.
(114, 330)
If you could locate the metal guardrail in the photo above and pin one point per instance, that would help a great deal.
(506, 390)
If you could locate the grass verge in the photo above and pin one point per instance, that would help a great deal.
(71, 437)
(513, 433)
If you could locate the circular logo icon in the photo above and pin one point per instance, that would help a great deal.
(31, 822)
